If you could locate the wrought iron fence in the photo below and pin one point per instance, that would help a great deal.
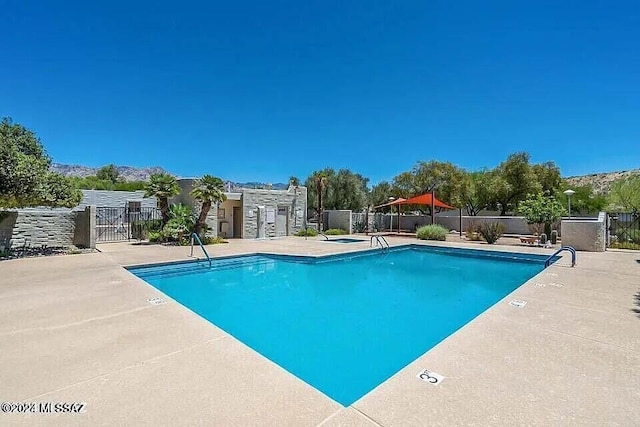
(125, 223)
(624, 230)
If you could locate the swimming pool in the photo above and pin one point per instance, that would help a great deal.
(345, 323)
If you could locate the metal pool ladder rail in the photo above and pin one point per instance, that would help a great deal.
(194, 236)
(379, 240)
(564, 248)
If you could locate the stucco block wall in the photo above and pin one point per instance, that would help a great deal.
(585, 235)
(293, 198)
(512, 224)
(116, 199)
(47, 227)
(339, 219)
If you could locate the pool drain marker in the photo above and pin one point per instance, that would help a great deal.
(156, 301)
(430, 377)
(518, 303)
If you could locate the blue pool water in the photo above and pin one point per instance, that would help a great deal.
(344, 240)
(344, 324)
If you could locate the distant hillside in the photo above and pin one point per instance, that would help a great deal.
(601, 182)
(129, 173)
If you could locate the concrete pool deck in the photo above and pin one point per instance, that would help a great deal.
(79, 328)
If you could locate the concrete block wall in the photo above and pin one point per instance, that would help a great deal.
(295, 198)
(339, 219)
(585, 234)
(55, 228)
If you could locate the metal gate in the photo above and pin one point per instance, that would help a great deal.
(125, 223)
(624, 230)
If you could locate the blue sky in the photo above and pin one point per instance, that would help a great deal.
(263, 90)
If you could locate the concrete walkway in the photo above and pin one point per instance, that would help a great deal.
(79, 328)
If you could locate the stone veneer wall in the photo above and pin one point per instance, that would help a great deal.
(294, 198)
(115, 199)
(585, 234)
(57, 228)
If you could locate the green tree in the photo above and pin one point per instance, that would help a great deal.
(478, 195)
(625, 195)
(108, 173)
(347, 190)
(583, 201)
(380, 193)
(512, 181)
(541, 211)
(207, 190)
(548, 175)
(25, 179)
(162, 186)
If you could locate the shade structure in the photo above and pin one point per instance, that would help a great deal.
(426, 199)
(398, 201)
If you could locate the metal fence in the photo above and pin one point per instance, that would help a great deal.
(125, 223)
(624, 230)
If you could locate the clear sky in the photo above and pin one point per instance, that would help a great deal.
(261, 90)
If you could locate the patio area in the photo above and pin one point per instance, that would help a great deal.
(79, 328)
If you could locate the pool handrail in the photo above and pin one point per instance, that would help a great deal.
(378, 238)
(564, 248)
(194, 236)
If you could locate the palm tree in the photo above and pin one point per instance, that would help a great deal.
(320, 180)
(162, 186)
(208, 190)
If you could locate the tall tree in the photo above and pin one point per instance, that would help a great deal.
(380, 193)
(207, 190)
(162, 186)
(108, 173)
(548, 175)
(348, 190)
(478, 195)
(512, 181)
(25, 179)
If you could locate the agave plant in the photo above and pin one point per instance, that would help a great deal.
(207, 190)
(162, 186)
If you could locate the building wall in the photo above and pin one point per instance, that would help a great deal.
(339, 219)
(228, 230)
(585, 234)
(115, 199)
(294, 198)
(54, 228)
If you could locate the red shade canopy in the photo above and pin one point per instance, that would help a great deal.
(398, 201)
(425, 199)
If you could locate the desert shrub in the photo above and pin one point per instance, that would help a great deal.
(335, 232)
(310, 232)
(432, 232)
(628, 235)
(206, 240)
(625, 245)
(359, 227)
(473, 232)
(140, 229)
(491, 231)
(155, 236)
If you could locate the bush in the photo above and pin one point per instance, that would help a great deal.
(625, 245)
(310, 232)
(432, 232)
(335, 232)
(491, 231)
(473, 232)
(359, 227)
(212, 240)
(155, 236)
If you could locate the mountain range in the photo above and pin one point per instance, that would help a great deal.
(130, 173)
(601, 182)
